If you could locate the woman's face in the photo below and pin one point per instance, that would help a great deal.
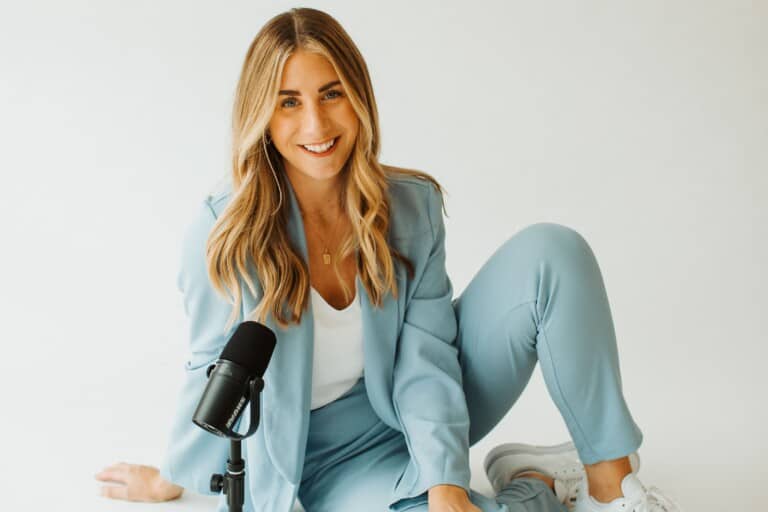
(313, 109)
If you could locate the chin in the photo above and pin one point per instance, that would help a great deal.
(324, 173)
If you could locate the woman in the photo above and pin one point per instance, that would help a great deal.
(381, 381)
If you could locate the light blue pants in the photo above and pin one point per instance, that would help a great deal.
(540, 297)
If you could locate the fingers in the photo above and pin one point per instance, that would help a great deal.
(137, 482)
(114, 473)
(115, 492)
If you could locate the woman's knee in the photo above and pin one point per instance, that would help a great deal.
(551, 234)
(550, 242)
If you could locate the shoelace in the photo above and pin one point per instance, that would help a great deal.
(653, 500)
(658, 502)
(567, 490)
(567, 481)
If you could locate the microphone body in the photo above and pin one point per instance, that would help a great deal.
(224, 398)
(235, 379)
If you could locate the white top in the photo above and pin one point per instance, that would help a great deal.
(338, 353)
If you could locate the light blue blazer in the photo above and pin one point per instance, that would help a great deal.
(412, 373)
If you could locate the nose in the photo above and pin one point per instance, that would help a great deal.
(315, 122)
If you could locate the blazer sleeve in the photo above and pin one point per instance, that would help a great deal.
(194, 454)
(427, 383)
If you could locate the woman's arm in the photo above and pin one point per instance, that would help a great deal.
(193, 454)
(428, 394)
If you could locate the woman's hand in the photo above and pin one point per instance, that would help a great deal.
(140, 483)
(449, 498)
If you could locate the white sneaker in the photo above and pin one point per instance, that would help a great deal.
(560, 462)
(637, 498)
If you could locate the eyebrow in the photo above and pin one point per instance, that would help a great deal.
(297, 93)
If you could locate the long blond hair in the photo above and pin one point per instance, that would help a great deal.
(254, 222)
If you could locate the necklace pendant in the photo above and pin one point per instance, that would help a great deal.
(326, 258)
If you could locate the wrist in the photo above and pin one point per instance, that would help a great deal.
(164, 490)
(446, 490)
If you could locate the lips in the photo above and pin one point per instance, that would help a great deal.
(326, 141)
(324, 153)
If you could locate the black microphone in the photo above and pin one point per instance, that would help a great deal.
(234, 378)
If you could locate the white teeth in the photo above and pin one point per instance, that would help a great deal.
(320, 148)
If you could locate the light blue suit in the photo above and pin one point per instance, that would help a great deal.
(409, 351)
(442, 371)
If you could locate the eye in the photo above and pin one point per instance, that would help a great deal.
(283, 104)
(338, 93)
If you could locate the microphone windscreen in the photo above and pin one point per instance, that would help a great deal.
(251, 347)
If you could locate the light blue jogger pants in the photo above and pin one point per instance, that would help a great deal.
(539, 297)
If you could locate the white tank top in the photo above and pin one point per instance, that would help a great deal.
(338, 354)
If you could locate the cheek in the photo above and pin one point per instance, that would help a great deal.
(283, 140)
(281, 128)
(352, 123)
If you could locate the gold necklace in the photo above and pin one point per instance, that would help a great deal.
(326, 253)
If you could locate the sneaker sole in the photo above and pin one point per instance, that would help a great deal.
(519, 448)
(527, 449)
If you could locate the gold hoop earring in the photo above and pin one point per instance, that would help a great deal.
(274, 174)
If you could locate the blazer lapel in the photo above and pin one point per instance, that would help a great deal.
(286, 397)
(288, 378)
(380, 332)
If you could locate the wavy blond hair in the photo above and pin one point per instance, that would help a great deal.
(254, 222)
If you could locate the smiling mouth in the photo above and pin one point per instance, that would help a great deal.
(321, 149)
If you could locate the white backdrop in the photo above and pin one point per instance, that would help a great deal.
(642, 125)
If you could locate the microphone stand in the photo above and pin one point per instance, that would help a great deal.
(232, 484)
